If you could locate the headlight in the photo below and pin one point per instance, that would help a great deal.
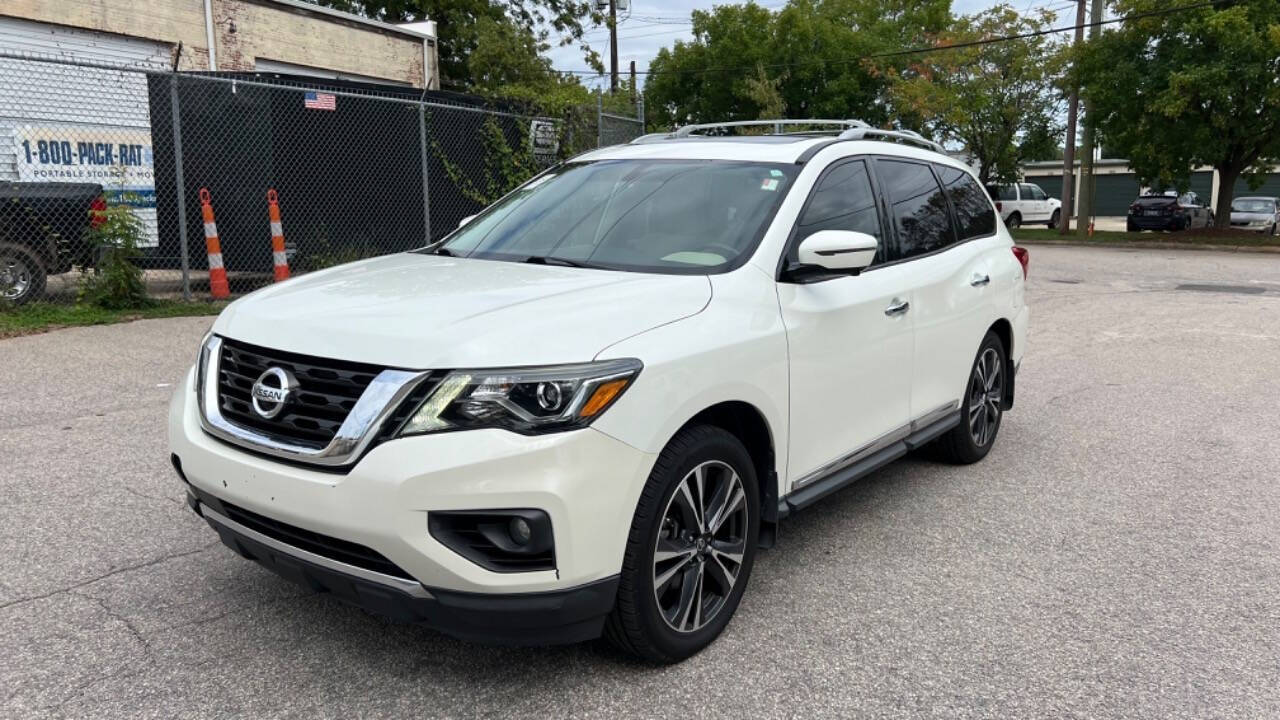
(200, 363)
(524, 400)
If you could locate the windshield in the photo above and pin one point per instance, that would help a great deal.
(667, 216)
(1253, 205)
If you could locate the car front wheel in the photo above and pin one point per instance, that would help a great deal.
(690, 550)
(1055, 219)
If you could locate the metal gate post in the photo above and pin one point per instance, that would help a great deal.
(599, 118)
(181, 186)
(426, 195)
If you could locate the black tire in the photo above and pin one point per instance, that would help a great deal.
(1131, 227)
(1055, 219)
(638, 623)
(1014, 222)
(22, 274)
(962, 444)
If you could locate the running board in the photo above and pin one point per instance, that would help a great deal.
(817, 489)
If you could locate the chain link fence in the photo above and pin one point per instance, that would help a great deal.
(171, 172)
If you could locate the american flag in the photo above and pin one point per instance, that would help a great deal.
(319, 101)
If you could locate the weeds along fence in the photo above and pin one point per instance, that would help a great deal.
(359, 169)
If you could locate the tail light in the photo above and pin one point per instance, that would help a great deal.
(97, 212)
(1024, 258)
(999, 207)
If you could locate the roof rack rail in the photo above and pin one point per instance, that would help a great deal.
(777, 125)
(909, 136)
(849, 129)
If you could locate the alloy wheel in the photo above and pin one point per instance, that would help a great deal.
(15, 277)
(700, 547)
(986, 391)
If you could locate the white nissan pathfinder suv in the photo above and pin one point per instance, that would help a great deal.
(583, 411)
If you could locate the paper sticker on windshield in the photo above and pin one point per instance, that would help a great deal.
(776, 173)
(769, 184)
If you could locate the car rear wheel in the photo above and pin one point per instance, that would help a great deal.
(690, 550)
(982, 407)
(22, 275)
(1014, 222)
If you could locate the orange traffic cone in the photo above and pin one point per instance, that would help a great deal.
(277, 237)
(217, 273)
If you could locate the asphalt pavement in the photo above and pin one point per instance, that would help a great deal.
(1117, 554)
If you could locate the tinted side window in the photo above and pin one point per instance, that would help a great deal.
(1008, 192)
(843, 200)
(918, 206)
(974, 215)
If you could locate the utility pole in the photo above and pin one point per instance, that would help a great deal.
(613, 46)
(1069, 149)
(1085, 223)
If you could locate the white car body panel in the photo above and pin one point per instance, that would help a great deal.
(951, 311)
(734, 351)
(847, 388)
(426, 311)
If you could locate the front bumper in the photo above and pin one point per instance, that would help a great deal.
(545, 618)
(588, 483)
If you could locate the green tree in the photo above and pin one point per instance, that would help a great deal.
(484, 43)
(1187, 88)
(812, 54)
(996, 99)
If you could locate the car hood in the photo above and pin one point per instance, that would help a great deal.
(1238, 216)
(427, 311)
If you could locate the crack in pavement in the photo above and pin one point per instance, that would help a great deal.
(133, 629)
(117, 571)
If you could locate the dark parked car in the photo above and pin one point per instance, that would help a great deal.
(1169, 212)
(1260, 214)
(43, 232)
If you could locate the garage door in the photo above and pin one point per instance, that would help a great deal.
(48, 109)
(1050, 184)
(1270, 188)
(1202, 185)
(1114, 193)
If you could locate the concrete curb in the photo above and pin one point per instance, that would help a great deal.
(1151, 245)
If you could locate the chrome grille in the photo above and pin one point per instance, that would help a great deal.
(328, 391)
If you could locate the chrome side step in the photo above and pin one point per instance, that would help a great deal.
(818, 488)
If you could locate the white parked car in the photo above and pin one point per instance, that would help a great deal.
(584, 411)
(1025, 204)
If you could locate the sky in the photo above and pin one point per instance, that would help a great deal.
(655, 24)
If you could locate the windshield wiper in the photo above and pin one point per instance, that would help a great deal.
(552, 260)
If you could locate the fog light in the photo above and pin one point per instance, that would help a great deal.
(520, 531)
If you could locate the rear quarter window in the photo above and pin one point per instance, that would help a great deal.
(975, 217)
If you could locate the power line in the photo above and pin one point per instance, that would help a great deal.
(925, 49)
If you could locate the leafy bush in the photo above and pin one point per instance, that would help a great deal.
(115, 282)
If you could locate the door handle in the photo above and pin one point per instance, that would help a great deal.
(897, 307)
(979, 279)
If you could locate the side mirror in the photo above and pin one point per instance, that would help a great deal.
(841, 251)
(466, 220)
